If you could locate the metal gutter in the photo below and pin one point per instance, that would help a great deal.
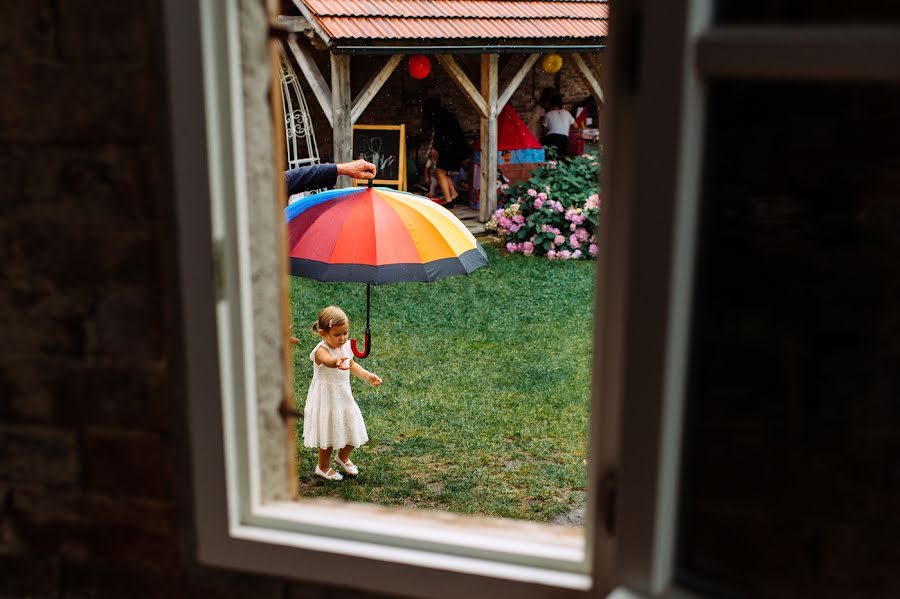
(477, 49)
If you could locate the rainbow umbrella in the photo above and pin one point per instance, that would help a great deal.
(377, 235)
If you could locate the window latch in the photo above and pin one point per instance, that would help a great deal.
(608, 495)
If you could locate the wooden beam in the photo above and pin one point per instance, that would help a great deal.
(516, 81)
(311, 19)
(342, 126)
(589, 78)
(488, 199)
(313, 76)
(372, 87)
(460, 78)
(291, 23)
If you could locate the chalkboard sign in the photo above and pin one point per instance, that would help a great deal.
(385, 147)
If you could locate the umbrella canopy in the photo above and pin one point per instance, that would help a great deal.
(377, 235)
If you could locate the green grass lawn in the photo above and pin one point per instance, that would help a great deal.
(484, 406)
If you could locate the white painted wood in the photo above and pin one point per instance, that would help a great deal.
(489, 75)
(372, 88)
(866, 53)
(459, 77)
(313, 76)
(516, 81)
(342, 126)
(589, 77)
(658, 151)
(232, 530)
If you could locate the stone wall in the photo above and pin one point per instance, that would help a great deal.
(94, 500)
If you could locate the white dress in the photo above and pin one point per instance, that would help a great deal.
(331, 417)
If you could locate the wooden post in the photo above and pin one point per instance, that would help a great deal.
(342, 125)
(488, 199)
(592, 81)
(280, 201)
(314, 77)
(516, 81)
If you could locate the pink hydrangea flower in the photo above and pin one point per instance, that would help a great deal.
(538, 202)
(559, 240)
(551, 254)
(576, 254)
(581, 233)
(592, 249)
(574, 241)
(532, 192)
(511, 247)
(527, 246)
(564, 255)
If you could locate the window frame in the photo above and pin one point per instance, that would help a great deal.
(662, 52)
(233, 529)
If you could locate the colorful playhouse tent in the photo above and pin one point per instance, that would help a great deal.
(516, 145)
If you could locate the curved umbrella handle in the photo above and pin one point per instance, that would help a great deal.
(366, 347)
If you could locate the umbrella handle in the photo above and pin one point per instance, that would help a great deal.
(366, 347)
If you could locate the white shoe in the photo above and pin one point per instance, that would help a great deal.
(326, 476)
(348, 466)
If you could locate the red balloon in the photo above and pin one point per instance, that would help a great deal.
(418, 66)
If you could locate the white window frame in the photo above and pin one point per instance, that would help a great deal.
(654, 118)
(233, 528)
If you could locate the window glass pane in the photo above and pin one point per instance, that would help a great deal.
(803, 11)
(792, 403)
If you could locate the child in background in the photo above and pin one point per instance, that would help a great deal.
(431, 171)
(331, 417)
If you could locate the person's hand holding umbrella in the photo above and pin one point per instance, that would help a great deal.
(357, 169)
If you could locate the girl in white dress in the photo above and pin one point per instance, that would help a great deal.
(331, 417)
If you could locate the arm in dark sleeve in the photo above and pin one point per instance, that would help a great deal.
(305, 178)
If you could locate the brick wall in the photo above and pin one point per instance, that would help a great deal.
(93, 494)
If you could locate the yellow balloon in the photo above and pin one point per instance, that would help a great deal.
(552, 63)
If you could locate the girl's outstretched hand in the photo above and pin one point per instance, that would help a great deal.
(374, 379)
(343, 364)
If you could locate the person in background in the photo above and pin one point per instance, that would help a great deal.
(536, 116)
(557, 123)
(449, 142)
(318, 176)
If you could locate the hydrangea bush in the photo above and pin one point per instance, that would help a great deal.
(554, 213)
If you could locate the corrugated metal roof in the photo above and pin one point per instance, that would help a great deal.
(404, 29)
(460, 19)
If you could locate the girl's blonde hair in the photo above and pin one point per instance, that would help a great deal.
(330, 316)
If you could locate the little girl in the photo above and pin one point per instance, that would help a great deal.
(331, 417)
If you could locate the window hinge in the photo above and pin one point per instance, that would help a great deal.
(218, 256)
(286, 411)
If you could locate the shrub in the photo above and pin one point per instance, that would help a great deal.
(554, 213)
